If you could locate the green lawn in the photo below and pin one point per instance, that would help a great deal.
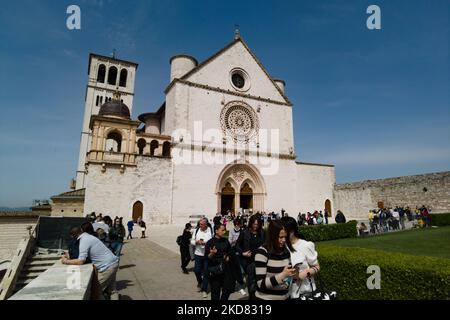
(421, 242)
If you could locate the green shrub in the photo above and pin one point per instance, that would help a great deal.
(440, 219)
(403, 277)
(324, 232)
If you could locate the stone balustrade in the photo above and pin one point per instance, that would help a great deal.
(60, 282)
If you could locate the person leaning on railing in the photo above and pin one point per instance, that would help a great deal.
(102, 258)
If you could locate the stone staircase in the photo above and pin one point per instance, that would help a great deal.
(34, 267)
(12, 230)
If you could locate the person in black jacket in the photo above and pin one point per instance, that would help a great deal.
(249, 241)
(184, 247)
(340, 218)
(218, 251)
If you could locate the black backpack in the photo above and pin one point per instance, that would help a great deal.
(180, 240)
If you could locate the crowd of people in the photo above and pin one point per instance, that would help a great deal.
(317, 217)
(391, 219)
(266, 256)
(99, 241)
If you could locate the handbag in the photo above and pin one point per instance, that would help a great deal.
(216, 270)
(317, 294)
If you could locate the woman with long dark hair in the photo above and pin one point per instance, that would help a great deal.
(248, 242)
(303, 258)
(272, 261)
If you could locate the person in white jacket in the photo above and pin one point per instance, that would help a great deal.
(201, 235)
(303, 258)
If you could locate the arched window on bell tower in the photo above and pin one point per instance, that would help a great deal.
(123, 78)
(101, 73)
(112, 75)
(114, 142)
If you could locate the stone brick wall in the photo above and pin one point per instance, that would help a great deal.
(432, 190)
(68, 209)
(114, 193)
(314, 186)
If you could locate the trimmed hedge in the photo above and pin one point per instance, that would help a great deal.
(403, 277)
(324, 232)
(440, 219)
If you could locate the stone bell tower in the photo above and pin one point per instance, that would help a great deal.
(105, 76)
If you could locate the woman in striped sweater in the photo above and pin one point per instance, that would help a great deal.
(272, 261)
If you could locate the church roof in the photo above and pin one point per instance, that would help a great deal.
(114, 108)
(75, 194)
(218, 53)
(142, 117)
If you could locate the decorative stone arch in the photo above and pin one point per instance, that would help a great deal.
(122, 132)
(101, 73)
(238, 173)
(112, 75)
(249, 182)
(233, 184)
(141, 144)
(166, 149)
(113, 140)
(123, 78)
(154, 145)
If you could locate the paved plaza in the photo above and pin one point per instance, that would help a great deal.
(150, 268)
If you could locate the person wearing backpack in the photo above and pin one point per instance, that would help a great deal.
(130, 226)
(201, 236)
(183, 241)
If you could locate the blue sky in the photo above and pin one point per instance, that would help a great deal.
(374, 103)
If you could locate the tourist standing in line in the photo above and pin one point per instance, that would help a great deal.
(184, 247)
(272, 261)
(201, 236)
(218, 251)
(235, 260)
(235, 232)
(116, 236)
(303, 258)
(248, 242)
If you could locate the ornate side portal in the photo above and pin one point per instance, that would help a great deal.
(240, 187)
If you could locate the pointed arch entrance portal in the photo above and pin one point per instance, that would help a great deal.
(227, 198)
(246, 197)
(138, 209)
(240, 187)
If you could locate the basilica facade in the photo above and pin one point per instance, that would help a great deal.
(222, 140)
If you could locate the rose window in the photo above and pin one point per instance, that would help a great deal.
(239, 122)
